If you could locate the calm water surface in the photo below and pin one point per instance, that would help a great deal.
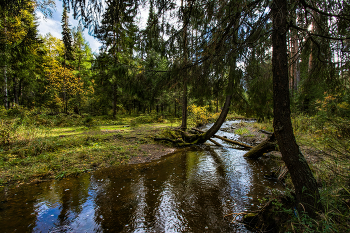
(189, 191)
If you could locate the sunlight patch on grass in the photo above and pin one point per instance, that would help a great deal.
(43, 152)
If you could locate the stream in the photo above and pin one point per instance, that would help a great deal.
(190, 190)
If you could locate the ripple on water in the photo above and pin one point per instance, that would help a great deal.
(189, 191)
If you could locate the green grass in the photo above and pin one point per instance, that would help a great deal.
(31, 152)
(327, 144)
(242, 131)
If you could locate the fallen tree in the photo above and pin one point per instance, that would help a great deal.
(227, 140)
(215, 142)
(270, 144)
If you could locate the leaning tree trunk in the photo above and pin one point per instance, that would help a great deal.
(217, 125)
(308, 197)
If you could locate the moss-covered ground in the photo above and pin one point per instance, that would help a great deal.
(44, 149)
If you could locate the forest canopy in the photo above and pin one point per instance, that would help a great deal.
(200, 43)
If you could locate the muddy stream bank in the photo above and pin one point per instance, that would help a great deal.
(190, 190)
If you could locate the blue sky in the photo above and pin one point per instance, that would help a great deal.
(53, 25)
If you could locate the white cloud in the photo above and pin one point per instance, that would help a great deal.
(53, 26)
(48, 25)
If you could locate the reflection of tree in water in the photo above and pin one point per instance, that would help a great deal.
(17, 208)
(204, 198)
(187, 191)
(20, 209)
(129, 191)
(163, 196)
(65, 206)
(72, 194)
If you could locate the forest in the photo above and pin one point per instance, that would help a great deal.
(284, 63)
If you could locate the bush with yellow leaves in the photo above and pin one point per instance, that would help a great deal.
(200, 115)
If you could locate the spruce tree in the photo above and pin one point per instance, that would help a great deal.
(68, 50)
(66, 36)
(117, 34)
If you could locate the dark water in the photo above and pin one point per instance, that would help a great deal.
(189, 191)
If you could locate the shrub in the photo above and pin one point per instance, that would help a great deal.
(198, 115)
(7, 129)
(15, 111)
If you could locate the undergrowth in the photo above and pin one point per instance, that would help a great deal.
(326, 140)
(35, 145)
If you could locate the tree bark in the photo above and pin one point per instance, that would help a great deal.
(20, 90)
(227, 140)
(185, 54)
(6, 102)
(266, 146)
(114, 101)
(65, 102)
(217, 125)
(215, 142)
(307, 195)
(15, 90)
(232, 84)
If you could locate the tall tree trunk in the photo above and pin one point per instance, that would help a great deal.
(6, 101)
(308, 197)
(310, 65)
(233, 82)
(292, 53)
(15, 91)
(114, 101)
(310, 61)
(217, 104)
(20, 90)
(65, 106)
(185, 54)
(296, 70)
(184, 107)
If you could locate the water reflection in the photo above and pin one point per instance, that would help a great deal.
(190, 191)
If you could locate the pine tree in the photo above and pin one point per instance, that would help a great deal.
(82, 66)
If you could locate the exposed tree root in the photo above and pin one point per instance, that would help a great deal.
(181, 138)
(196, 136)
